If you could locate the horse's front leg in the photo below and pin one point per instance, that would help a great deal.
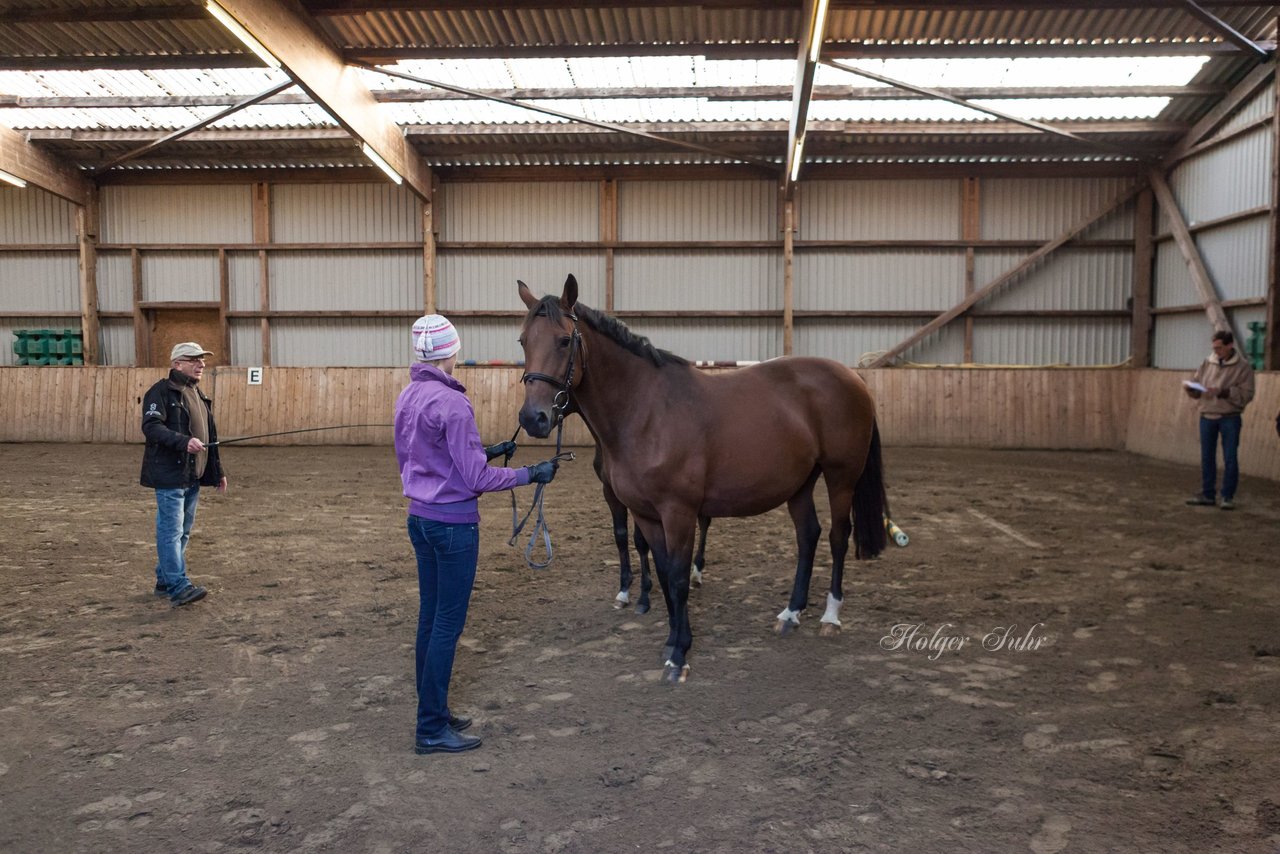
(672, 544)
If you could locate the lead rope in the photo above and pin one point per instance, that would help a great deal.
(540, 523)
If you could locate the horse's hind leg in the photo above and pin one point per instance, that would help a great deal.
(618, 511)
(700, 556)
(646, 583)
(841, 496)
(805, 517)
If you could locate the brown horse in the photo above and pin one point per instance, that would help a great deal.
(677, 444)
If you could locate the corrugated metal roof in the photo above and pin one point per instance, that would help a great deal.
(671, 45)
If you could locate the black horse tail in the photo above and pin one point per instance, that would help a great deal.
(870, 504)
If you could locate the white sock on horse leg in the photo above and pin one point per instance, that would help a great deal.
(789, 616)
(623, 596)
(833, 610)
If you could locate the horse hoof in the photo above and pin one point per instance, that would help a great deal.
(829, 630)
(642, 607)
(784, 628)
(673, 674)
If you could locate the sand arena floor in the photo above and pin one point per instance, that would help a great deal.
(1138, 712)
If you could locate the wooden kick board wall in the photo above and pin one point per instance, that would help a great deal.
(1143, 411)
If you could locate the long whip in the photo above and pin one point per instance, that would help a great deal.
(291, 432)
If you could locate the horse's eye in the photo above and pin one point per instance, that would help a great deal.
(564, 342)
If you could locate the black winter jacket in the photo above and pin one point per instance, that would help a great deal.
(167, 426)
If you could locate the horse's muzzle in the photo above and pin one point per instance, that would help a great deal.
(536, 421)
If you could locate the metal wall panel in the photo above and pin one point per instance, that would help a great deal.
(849, 341)
(697, 280)
(118, 342)
(180, 276)
(338, 342)
(208, 213)
(382, 279)
(1043, 208)
(115, 281)
(246, 342)
(344, 213)
(745, 339)
(243, 274)
(1230, 178)
(1171, 282)
(486, 281)
(878, 210)
(1068, 279)
(519, 212)
(697, 210)
(1257, 107)
(878, 279)
(1051, 341)
(484, 339)
(1180, 341)
(39, 281)
(1236, 257)
(33, 216)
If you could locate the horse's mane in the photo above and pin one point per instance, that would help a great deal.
(612, 328)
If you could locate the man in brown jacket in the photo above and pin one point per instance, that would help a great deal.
(1224, 387)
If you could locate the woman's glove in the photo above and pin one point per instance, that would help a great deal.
(502, 449)
(542, 472)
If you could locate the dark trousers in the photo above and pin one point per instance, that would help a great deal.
(447, 557)
(1228, 426)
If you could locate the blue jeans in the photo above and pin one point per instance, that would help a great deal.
(447, 557)
(1228, 426)
(175, 514)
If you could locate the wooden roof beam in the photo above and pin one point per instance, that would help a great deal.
(317, 66)
(710, 93)
(37, 167)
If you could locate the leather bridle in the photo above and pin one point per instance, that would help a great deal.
(562, 403)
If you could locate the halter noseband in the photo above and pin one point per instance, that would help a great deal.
(561, 403)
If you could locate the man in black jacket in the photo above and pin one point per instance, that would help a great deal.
(181, 455)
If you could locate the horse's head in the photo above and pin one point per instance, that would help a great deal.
(553, 358)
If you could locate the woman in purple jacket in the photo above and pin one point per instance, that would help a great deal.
(443, 467)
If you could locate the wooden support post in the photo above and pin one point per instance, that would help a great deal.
(87, 237)
(788, 275)
(1271, 358)
(970, 228)
(608, 235)
(1191, 254)
(141, 334)
(1143, 261)
(262, 236)
(224, 305)
(429, 252)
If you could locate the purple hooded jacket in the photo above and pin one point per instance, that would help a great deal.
(442, 461)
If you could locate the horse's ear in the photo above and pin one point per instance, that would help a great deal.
(526, 295)
(569, 298)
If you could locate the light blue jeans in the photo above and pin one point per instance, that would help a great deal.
(175, 514)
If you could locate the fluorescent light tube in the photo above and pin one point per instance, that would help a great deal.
(241, 33)
(12, 179)
(380, 163)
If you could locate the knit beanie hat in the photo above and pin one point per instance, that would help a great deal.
(434, 338)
